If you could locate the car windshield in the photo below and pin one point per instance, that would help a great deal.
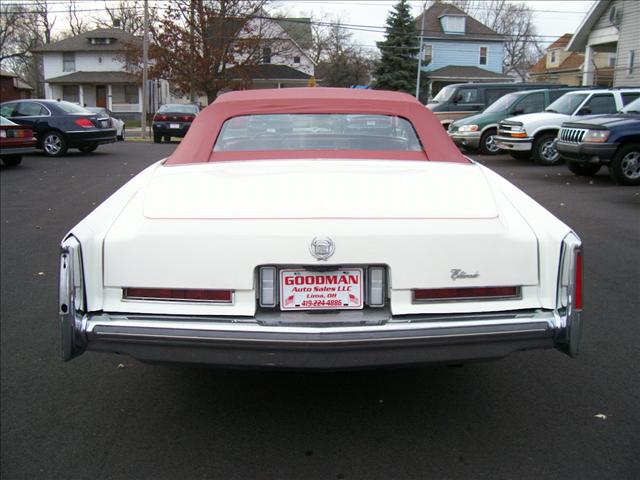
(633, 107)
(503, 103)
(317, 132)
(444, 94)
(4, 121)
(69, 107)
(567, 103)
(176, 108)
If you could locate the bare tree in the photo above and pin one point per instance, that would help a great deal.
(77, 23)
(16, 36)
(128, 15)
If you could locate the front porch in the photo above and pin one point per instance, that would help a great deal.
(116, 91)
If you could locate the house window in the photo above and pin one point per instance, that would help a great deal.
(612, 60)
(68, 61)
(71, 93)
(296, 59)
(266, 55)
(553, 56)
(632, 58)
(453, 24)
(612, 15)
(427, 54)
(124, 94)
(484, 53)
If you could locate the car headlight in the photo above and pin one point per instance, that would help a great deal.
(596, 136)
(468, 128)
(518, 128)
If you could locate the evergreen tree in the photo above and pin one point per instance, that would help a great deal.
(398, 64)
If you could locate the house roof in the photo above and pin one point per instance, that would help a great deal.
(299, 29)
(562, 41)
(579, 40)
(267, 71)
(473, 28)
(18, 83)
(82, 43)
(95, 77)
(572, 62)
(454, 72)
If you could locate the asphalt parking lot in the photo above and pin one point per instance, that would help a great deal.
(533, 415)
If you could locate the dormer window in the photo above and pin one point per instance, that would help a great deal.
(99, 41)
(553, 56)
(454, 24)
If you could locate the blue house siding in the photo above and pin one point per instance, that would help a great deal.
(464, 53)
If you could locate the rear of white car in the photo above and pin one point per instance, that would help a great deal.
(196, 270)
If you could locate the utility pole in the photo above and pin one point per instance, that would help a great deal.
(145, 70)
(420, 53)
(192, 94)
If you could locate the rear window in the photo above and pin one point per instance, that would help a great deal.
(317, 132)
(173, 108)
(69, 107)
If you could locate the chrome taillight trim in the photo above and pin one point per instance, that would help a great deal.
(570, 333)
(71, 299)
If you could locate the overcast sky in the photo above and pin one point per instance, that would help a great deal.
(552, 18)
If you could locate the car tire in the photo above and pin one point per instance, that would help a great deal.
(543, 152)
(122, 135)
(519, 155)
(157, 138)
(54, 144)
(488, 143)
(582, 170)
(625, 166)
(88, 148)
(12, 160)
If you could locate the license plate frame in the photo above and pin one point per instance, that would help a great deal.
(329, 290)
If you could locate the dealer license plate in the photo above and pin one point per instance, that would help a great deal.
(174, 125)
(332, 290)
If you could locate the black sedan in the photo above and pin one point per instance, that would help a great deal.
(173, 120)
(60, 125)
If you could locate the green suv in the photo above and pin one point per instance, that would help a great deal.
(478, 131)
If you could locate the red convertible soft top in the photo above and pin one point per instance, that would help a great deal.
(197, 146)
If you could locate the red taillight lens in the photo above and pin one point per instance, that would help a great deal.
(465, 293)
(218, 296)
(578, 282)
(160, 118)
(84, 123)
(187, 118)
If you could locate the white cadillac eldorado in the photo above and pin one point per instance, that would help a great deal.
(319, 228)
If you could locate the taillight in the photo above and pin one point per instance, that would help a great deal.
(578, 281)
(174, 294)
(160, 118)
(84, 123)
(376, 287)
(187, 118)
(465, 293)
(268, 292)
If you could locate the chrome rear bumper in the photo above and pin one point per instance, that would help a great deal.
(229, 341)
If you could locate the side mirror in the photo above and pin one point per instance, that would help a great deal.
(518, 111)
(584, 111)
(457, 98)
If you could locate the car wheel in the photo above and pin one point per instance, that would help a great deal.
(54, 144)
(12, 160)
(121, 137)
(625, 166)
(88, 148)
(544, 151)
(582, 170)
(520, 155)
(157, 138)
(488, 143)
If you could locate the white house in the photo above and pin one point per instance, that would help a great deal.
(90, 69)
(611, 26)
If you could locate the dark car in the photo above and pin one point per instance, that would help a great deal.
(461, 100)
(15, 141)
(611, 140)
(60, 125)
(173, 120)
